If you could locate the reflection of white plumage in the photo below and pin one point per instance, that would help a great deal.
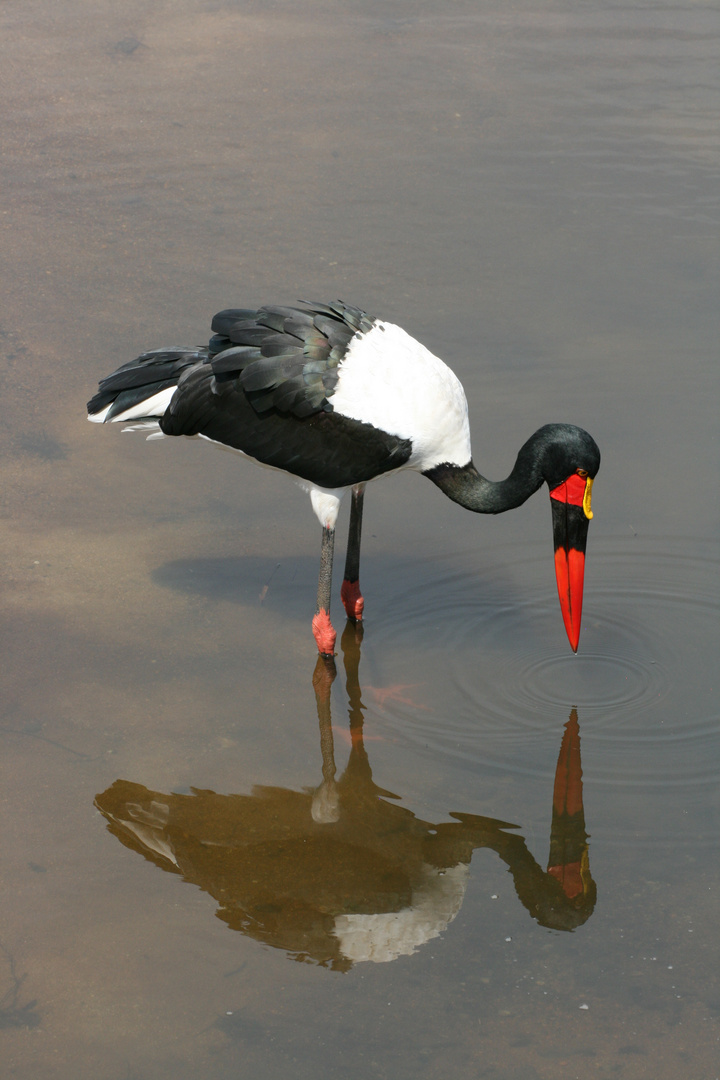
(337, 399)
(385, 936)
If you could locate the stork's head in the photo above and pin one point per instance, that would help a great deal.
(569, 461)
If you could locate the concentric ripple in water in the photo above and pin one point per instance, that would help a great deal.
(503, 674)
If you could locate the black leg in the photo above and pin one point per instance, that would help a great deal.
(350, 592)
(322, 627)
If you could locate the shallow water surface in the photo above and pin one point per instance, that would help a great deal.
(462, 851)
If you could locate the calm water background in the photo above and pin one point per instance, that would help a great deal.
(532, 190)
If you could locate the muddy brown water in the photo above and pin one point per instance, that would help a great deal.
(472, 854)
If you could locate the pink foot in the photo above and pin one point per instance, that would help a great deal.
(324, 634)
(352, 599)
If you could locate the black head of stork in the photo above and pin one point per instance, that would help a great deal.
(567, 459)
(336, 398)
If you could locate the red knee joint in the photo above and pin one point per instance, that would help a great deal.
(352, 599)
(323, 632)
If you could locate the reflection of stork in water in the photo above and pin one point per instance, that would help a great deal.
(342, 873)
(562, 897)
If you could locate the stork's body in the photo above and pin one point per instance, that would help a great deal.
(336, 399)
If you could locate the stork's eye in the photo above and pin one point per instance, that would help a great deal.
(582, 473)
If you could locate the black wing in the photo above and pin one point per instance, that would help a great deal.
(142, 378)
(285, 358)
(264, 386)
(325, 448)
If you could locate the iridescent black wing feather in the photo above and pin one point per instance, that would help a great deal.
(142, 378)
(285, 358)
(325, 448)
(264, 386)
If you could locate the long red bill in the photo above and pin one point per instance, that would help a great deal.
(570, 574)
(571, 509)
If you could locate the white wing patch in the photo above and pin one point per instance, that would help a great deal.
(389, 380)
(152, 406)
(99, 417)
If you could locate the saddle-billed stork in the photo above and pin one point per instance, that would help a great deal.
(337, 398)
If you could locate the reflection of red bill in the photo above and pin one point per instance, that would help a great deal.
(567, 790)
(568, 860)
(570, 877)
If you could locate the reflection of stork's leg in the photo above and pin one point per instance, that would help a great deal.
(357, 770)
(323, 678)
(350, 645)
(325, 803)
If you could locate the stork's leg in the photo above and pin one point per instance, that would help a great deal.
(350, 592)
(322, 627)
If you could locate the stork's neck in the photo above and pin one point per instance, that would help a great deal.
(464, 484)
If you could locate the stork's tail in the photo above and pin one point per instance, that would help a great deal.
(142, 390)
